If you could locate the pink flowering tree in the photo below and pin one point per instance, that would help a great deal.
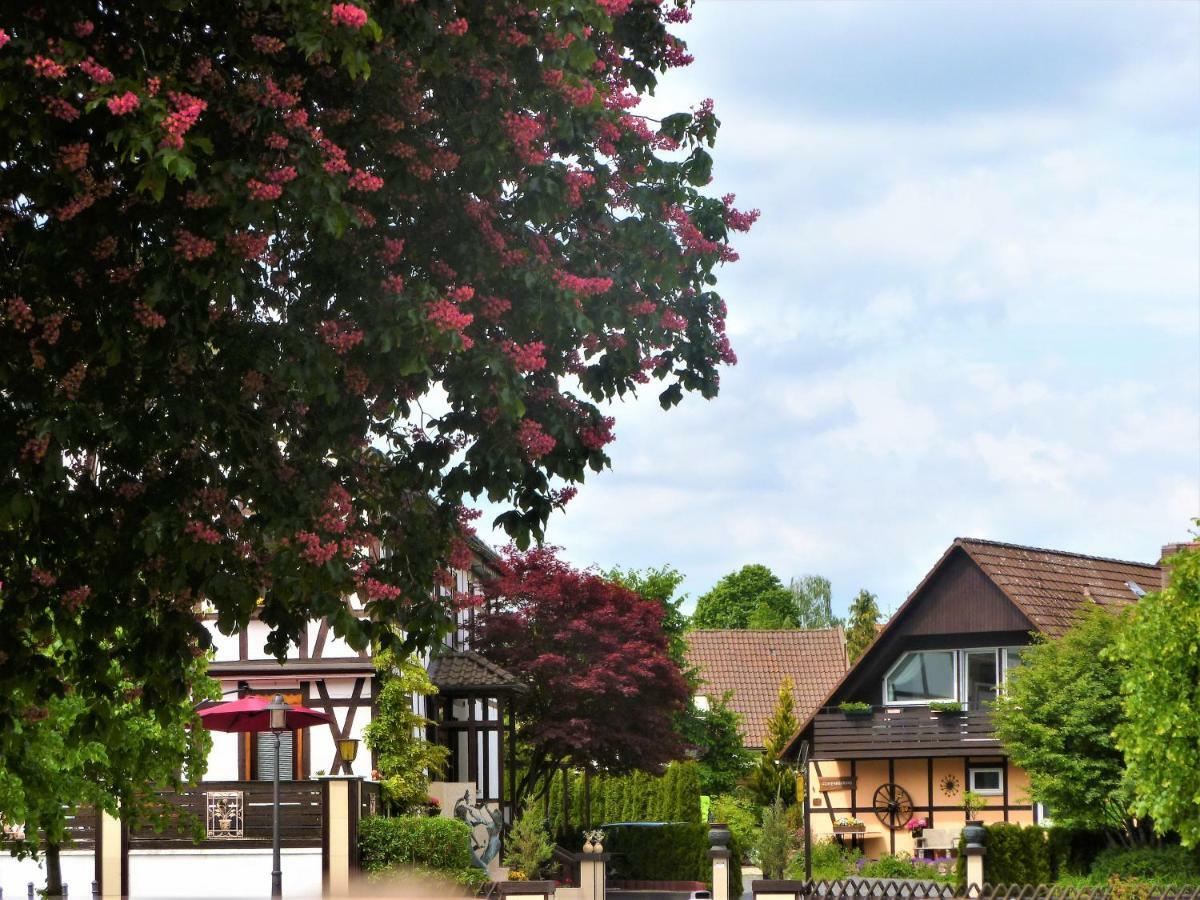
(285, 283)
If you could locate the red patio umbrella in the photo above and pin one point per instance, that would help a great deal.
(254, 714)
(251, 714)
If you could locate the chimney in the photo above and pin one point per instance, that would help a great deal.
(1168, 551)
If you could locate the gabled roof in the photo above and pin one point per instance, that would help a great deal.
(752, 664)
(465, 670)
(1051, 587)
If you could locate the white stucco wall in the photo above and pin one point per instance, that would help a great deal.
(221, 873)
(78, 870)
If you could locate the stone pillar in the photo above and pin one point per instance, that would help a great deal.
(718, 838)
(974, 852)
(341, 799)
(592, 873)
(111, 854)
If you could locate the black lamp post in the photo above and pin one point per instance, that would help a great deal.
(277, 711)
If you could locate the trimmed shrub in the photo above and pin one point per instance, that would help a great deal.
(437, 844)
(1162, 865)
(1016, 855)
(659, 852)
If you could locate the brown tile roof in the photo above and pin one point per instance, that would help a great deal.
(751, 664)
(1051, 587)
(463, 670)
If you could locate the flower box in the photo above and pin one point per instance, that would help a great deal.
(849, 829)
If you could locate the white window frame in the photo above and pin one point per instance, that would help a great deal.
(902, 658)
(1000, 657)
(986, 792)
(997, 653)
(1040, 816)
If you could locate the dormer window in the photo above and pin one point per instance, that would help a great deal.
(920, 677)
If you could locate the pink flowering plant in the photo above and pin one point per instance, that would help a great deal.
(242, 249)
(916, 824)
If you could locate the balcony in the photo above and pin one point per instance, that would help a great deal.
(904, 731)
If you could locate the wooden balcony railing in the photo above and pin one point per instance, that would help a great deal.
(908, 731)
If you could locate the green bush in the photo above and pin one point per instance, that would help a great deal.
(430, 844)
(830, 862)
(1161, 865)
(740, 814)
(1016, 855)
(905, 867)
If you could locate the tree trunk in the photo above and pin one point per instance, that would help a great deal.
(53, 872)
(587, 798)
(566, 798)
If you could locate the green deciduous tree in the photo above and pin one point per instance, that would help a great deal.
(1159, 652)
(722, 758)
(1056, 719)
(752, 597)
(660, 584)
(862, 624)
(111, 753)
(812, 596)
(771, 778)
(405, 759)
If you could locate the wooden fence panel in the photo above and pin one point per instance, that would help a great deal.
(301, 816)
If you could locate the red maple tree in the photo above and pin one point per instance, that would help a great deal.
(604, 690)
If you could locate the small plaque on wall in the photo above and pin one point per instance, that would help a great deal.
(841, 783)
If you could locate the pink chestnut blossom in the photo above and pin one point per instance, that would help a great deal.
(348, 15)
(124, 104)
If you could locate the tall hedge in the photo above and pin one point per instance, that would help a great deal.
(636, 797)
(676, 852)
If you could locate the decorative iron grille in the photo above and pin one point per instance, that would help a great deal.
(224, 819)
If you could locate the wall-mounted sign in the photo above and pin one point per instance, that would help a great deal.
(224, 819)
(841, 783)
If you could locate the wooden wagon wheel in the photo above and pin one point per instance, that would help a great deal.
(893, 805)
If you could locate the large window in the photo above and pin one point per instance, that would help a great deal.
(920, 677)
(972, 677)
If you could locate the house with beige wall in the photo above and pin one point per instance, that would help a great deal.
(954, 640)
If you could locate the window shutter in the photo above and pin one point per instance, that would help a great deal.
(266, 756)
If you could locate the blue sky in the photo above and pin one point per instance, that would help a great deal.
(971, 305)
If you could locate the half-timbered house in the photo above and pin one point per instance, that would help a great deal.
(953, 641)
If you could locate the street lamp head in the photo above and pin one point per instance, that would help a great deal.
(277, 712)
(348, 750)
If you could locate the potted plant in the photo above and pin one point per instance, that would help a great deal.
(916, 826)
(848, 825)
(593, 841)
(945, 706)
(972, 804)
(856, 708)
(973, 831)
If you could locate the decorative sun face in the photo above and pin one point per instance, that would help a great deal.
(949, 785)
